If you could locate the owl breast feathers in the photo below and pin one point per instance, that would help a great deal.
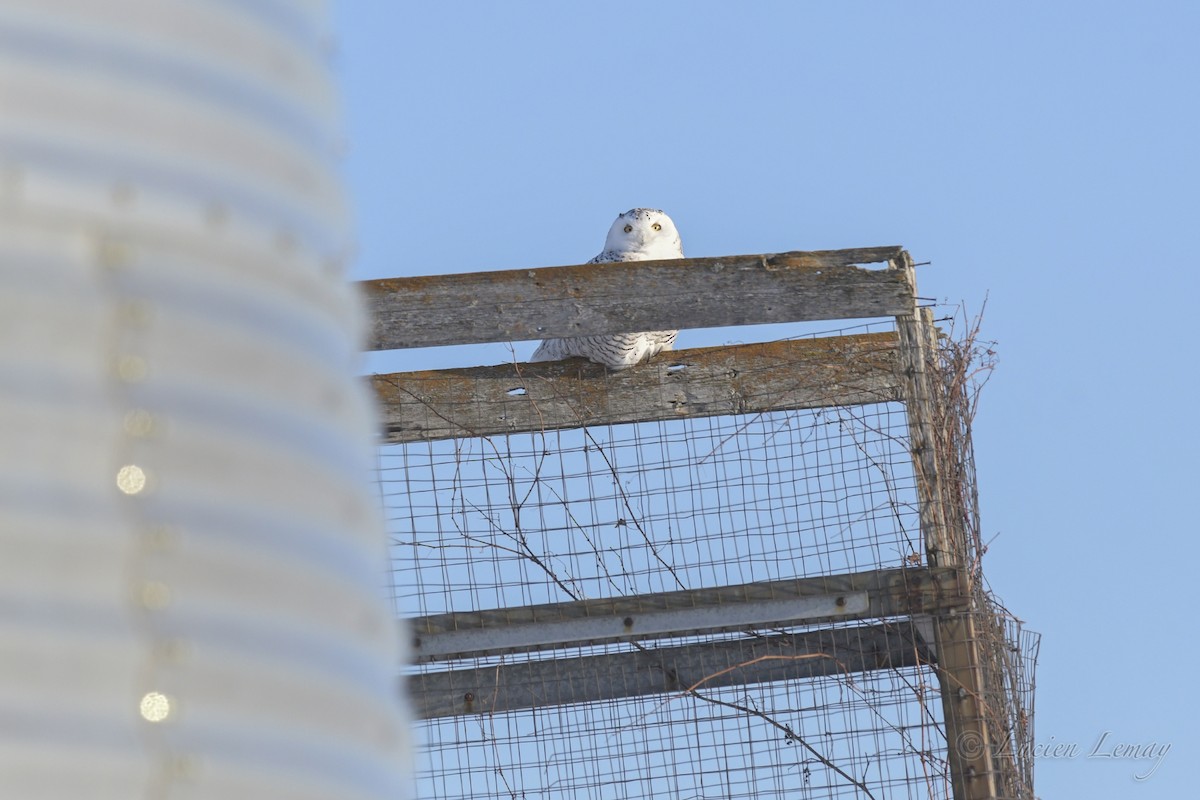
(640, 234)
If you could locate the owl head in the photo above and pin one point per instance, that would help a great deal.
(647, 232)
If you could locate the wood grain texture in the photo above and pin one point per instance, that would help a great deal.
(892, 592)
(711, 381)
(956, 640)
(709, 665)
(594, 299)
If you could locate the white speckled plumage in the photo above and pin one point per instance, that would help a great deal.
(640, 234)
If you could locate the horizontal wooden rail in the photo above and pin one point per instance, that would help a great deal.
(700, 667)
(888, 593)
(710, 381)
(590, 299)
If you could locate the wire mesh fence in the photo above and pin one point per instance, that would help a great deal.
(554, 519)
(630, 509)
(822, 737)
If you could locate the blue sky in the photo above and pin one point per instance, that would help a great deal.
(1042, 156)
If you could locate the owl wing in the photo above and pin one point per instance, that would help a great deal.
(551, 350)
(610, 256)
(616, 351)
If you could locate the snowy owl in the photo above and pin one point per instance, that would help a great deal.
(640, 234)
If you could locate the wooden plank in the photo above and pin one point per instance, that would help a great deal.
(970, 749)
(891, 592)
(589, 299)
(702, 666)
(743, 615)
(711, 381)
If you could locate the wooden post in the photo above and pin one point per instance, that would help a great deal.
(970, 749)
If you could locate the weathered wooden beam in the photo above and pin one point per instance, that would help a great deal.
(710, 381)
(970, 748)
(700, 666)
(888, 593)
(588, 299)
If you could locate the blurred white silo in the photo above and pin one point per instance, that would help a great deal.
(191, 552)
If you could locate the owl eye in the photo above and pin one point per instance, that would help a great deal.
(629, 229)
(656, 226)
